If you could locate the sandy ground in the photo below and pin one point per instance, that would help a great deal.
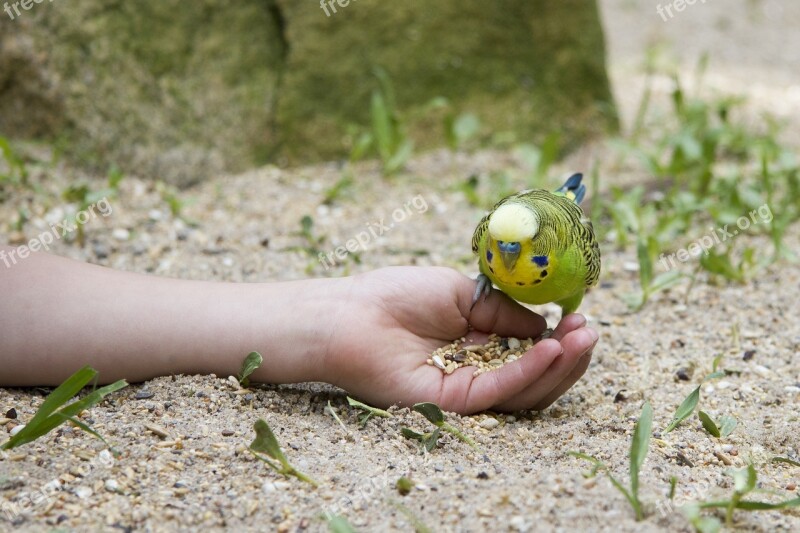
(199, 475)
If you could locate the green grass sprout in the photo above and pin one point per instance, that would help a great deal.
(428, 441)
(639, 447)
(785, 460)
(369, 411)
(744, 483)
(249, 365)
(55, 410)
(435, 416)
(266, 443)
(338, 524)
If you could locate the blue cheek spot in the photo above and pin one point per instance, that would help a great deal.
(489, 255)
(540, 260)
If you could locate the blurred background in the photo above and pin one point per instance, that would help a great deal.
(265, 133)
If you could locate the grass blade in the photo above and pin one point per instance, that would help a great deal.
(431, 411)
(640, 445)
(373, 410)
(684, 410)
(709, 424)
(249, 365)
(785, 460)
(339, 524)
(726, 425)
(41, 425)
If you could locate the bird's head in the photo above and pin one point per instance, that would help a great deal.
(511, 226)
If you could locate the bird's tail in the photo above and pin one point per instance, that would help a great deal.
(573, 189)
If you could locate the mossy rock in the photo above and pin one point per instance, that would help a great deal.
(172, 90)
(525, 67)
(182, 91)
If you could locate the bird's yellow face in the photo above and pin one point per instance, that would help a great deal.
(511, 229)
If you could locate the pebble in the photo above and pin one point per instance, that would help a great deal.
(121, 234)
(143, 395)
(792, 388)
(112, 485)
(489, 423)
(11, 413)
(16, 429)
(83, 492)
(513, 343)
(100, 250)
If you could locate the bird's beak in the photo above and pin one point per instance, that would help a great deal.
(509, 253)
(509, 259)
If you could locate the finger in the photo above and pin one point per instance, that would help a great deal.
(575, 345)
(498, 313)
(569, 381)
(569, 323)
(472, 394)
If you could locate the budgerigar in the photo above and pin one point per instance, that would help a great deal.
(537, 246)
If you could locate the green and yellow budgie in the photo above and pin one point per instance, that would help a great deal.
(538, 247)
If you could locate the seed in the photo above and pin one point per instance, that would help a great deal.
(437, 362)
(513, 343)
(477, 348)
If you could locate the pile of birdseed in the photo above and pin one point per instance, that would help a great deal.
(484, 357)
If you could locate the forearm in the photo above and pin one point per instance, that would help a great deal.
(57, 315)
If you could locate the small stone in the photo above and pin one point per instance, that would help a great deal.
(792, 388)
(11, 413)
(181, 484)
(683, 374)
(143, 395)
(16, 429)
(748, 355)
(791, 486)
(112, 485)
(121, 234)
(513, 343)
(489, 423)
(100, 250)
(83, 492)
(483, 475)
(727, 448)
(228, 433)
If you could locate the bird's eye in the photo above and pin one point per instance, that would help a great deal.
(499, 242)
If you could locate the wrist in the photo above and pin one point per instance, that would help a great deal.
(299, 321)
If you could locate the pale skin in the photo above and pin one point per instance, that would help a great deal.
(369, 334)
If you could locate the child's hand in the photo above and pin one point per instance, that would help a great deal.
(395, 317)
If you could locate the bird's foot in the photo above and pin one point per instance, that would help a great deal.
(484, 286)
(544, 335)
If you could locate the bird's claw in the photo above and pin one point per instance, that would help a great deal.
(484, 286)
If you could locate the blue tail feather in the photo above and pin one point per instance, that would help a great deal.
(573, 189)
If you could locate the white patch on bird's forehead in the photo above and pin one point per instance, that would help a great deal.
(513, 222)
